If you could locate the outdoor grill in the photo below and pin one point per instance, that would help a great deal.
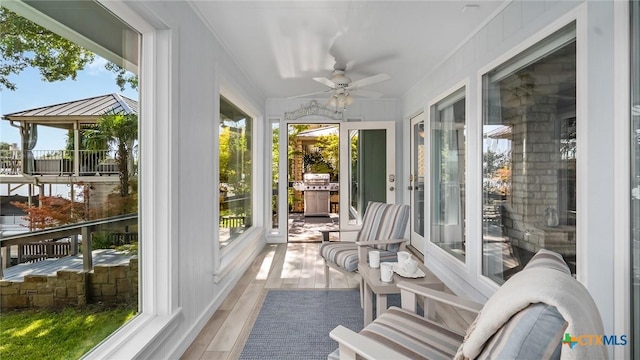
(316, 189)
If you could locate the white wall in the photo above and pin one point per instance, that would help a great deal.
(520, 22)
(200, 275)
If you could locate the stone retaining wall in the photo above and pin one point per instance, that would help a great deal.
(111, 284)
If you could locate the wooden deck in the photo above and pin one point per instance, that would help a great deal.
(293, 265)
(51, 266)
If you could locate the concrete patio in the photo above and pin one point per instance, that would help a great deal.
(307, 228)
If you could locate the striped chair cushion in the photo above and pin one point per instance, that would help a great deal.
(384, 222)
(413, 335)
(548, 259)
(345, 255)
(533, 333)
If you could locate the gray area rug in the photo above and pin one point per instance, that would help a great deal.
(295, 324)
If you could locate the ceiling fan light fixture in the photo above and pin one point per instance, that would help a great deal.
(349, 100)
(340, 100)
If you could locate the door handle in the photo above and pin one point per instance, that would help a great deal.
(392, 188)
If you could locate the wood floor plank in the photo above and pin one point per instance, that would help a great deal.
(215, 355)
(337, 279)
(246, 331)
(319, 270)
(274, 280)
(230, 330)
(292, 267)
(202, 341)
(307, 273)
(248, 277)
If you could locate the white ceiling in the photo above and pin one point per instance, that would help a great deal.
(282, 45)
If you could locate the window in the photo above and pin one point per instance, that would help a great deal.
(88, 166)
(447, 174)
(275, 172)
(235, 130)
(529, 156)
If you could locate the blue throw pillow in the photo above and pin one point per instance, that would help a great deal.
(535, 332)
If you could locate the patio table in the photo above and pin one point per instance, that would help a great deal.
(373, 285)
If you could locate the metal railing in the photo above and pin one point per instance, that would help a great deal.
(59, 162)
(72, 230)
(10, 162)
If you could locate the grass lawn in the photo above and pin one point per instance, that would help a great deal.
(58, 334)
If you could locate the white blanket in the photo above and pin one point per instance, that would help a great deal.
(548, 286)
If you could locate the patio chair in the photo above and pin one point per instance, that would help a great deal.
(536, 314)
(382, 229)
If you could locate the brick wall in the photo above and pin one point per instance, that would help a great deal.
(531, 106)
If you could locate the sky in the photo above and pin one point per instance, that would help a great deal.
(33, 92)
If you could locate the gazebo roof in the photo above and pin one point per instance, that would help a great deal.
(501, 132)
(85, 111)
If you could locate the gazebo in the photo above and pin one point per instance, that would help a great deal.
(73, 115)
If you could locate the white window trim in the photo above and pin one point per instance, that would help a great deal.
(159, 311)
(271, 231)
(622, 235)
(234, 254)
(283, 211)
(448, 97)
(579, 15)
(445, 99)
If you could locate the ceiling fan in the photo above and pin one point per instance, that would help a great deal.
(342, 88)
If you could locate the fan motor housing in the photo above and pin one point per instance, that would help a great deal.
(340, 79)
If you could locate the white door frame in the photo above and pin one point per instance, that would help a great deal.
(345, 129)
(416, 240)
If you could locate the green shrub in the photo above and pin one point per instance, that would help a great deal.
(131, 249)
(101, 240)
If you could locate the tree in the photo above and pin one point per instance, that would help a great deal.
(497, 172)
(52, 211)
(234, 157)
(314, 162)
(24, 44)
(120, 131)
(4, 149)
(329, 146)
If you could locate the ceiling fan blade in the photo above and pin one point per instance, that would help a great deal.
(366, 93)
(310, 94)
(370, 80)
(376, 60)
(325, 81)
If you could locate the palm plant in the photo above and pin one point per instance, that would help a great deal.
(118, 130)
